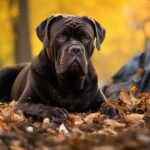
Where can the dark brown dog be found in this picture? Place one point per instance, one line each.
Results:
(61, 77)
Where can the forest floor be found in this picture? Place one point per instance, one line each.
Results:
(131, 131)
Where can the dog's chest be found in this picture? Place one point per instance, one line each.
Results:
(70, 101)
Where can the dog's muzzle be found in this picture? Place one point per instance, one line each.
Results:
(75, 50)
(72, 59)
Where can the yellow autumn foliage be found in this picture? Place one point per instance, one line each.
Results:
(118, 17)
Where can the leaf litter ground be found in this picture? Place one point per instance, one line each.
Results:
(130, 131)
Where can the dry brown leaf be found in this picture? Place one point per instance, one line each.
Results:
(107, 132)
(16, 148)
(124, 97)
(147, 119)
(18, 117)
(104, 148)
(91, 117)
(76, 119)
(76, 130)
(147, 103)
(1, 124)
(133, 90)
(113, 123)
(83, 127)
(133, 118)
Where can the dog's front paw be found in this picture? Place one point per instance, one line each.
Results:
(109, 111)
(56, 113)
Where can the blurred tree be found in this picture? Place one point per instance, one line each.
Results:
(140, 21)
(20, 25)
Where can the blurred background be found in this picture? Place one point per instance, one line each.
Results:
(127, 24)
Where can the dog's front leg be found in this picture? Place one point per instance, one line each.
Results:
(40, 111)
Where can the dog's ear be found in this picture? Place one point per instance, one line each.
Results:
(43, 29)
(99, 31)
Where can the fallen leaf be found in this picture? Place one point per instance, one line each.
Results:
(124, 97)
(107, 131)
(133, 90)
(147, 103)
(104, 148)
(133, 118)
(113, 123)
(76, 119)
(91, 117)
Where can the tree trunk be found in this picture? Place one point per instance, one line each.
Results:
(23, 47)
(20, 26)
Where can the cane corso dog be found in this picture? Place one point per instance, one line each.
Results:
(61, 78)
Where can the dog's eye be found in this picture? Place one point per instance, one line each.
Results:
(85, 39)
(61, 38)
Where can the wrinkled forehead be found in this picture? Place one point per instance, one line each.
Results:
(72, 23)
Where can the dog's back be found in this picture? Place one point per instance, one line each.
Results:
(7, 78)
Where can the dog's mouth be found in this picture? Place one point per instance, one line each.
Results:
(75, 66)
(74, 75)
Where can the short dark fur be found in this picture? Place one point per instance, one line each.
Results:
(61, 77)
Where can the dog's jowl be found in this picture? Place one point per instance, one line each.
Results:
(61, 78)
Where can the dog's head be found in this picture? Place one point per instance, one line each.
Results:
(69, 42)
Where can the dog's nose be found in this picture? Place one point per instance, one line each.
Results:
(75, 50)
